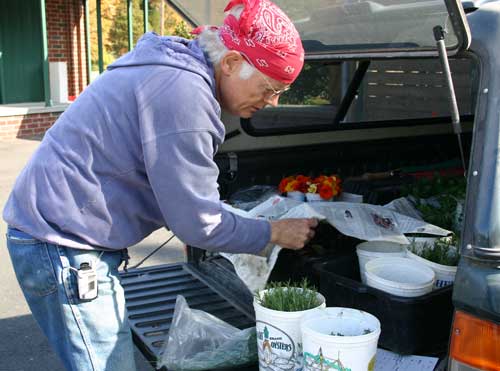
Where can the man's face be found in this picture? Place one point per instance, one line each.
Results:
(244, 97)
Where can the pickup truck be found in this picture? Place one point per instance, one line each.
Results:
(390, 89)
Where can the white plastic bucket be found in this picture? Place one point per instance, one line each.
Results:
(377, 249)
(296, 195)
(400, 276)
(314, 197)
(445, 274)
(279, 340)
(339, 339)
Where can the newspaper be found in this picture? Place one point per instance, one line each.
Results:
(390, 361)
(404, 206)
(363, 221)
(253, 270)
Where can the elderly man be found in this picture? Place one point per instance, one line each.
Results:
(132, 154)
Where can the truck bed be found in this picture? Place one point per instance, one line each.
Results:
(208, 282)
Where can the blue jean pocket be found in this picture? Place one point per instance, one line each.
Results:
(32, 265)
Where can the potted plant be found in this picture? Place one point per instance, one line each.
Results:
(441, 256)
(278, 310)
(294, 186)
(323, 188)
(439, 200)
(339, 339)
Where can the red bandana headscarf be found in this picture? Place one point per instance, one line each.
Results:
(266, 37)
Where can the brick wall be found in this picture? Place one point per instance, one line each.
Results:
(26, 126)
(66, 40)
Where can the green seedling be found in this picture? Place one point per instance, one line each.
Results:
(440, 252)
(289, 297)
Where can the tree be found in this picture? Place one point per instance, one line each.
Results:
(115, 26)
(118, 33)
(173, 23)
(311, 87)
(108, 10)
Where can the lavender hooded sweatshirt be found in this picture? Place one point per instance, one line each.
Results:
(132, 154)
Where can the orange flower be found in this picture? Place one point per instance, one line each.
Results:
(320, 179)
(301, 187)
(326, 186)
(326, 192)
(302, 183)
(303, 178)
(284, 182)
(294, 183)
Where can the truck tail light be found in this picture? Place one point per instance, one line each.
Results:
(475, 342)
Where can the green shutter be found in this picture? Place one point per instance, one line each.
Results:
(21, 62)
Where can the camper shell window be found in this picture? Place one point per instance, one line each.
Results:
(391, 93)
(339, 88)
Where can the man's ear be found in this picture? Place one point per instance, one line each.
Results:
(231, 62)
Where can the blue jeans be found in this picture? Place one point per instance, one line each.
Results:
(87, 335)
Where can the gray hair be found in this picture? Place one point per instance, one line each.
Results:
(212, 45)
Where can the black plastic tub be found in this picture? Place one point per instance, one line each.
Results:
(419, 325)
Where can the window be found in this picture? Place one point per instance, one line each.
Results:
(391, 92)
(353, 26)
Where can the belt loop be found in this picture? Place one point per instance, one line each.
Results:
(61, 250)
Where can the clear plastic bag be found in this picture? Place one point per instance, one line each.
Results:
(247, 198)
(199, 341)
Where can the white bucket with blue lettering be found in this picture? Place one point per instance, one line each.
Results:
(279, 340)
(445, 274)
(339, 339)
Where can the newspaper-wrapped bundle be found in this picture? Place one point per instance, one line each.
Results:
(362, 221)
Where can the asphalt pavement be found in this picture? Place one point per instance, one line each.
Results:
(23, 347)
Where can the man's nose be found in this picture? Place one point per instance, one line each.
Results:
(272, 101)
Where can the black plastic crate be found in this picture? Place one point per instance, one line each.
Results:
(378, 191)
(294, 265)
(419, 325)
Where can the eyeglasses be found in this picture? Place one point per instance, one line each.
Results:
(271, 92)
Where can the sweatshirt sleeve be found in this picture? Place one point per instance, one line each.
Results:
(183, 176)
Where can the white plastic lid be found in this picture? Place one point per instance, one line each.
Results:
(400, 272)
(375, 248)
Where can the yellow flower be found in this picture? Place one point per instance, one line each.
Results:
(313, 188)
(290, 187)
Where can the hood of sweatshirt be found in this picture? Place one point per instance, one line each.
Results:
(174, 51)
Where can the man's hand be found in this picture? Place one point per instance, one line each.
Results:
(292, 233)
